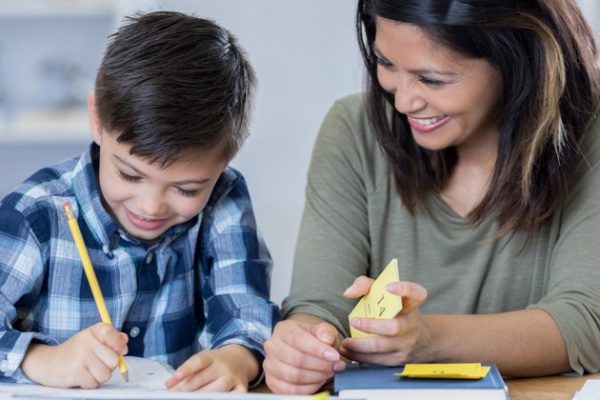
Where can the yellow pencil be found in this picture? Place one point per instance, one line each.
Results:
(91, 276)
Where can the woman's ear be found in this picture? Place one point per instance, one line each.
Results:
(94, 120)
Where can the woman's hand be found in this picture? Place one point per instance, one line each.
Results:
(301, 355)
(399, 340)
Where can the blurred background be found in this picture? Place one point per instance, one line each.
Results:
(304, 54)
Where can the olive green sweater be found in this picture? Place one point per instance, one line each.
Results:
(354, 223)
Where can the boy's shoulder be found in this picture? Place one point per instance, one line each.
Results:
(231, 184)
(47, 184)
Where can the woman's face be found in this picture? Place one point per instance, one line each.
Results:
(448, 99)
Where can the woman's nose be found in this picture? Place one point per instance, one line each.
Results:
(408, 99)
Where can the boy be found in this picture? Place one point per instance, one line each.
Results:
(169, 227)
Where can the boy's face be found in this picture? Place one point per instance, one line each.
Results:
(147, 199)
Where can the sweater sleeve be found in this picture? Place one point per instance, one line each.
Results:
(573, 294)
(333, 245)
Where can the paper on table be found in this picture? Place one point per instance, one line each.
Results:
(146, 382)
(589, 391)
(144, 374)
(80, 394)
(378, 303)
(99, 394)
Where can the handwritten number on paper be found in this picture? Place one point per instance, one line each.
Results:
(381, 309)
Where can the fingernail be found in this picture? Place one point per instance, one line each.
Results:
(326, 337)
(331, 355)
(176, 375)
(339, 366)
(348, 289)
(392, 287)
(356, 322)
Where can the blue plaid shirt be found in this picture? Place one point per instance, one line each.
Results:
(203, 284)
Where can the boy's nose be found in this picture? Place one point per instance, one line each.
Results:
(150, 206)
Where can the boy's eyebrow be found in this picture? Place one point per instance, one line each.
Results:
(137, 171)
(197, 181)
(417, 71)
(183, 182)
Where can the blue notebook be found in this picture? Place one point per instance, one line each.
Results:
(375, 382)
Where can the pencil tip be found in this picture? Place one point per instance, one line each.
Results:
(125, 375)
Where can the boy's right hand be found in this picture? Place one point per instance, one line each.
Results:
(301, 355)
(85, 360)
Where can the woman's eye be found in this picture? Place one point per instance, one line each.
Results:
(430, 82)
(129, 178)
(383, 62)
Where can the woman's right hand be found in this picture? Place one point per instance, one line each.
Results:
(403, 339)
(301, 355)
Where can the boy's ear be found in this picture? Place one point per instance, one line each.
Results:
(94, 120)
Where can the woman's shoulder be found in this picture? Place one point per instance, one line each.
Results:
(584, 197)
(589, 147)
(347, 144)
(346, 125)
(352, 104)
(347, 112)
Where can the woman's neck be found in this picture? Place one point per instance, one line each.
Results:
(471, 176)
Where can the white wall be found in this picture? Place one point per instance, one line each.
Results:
(591, 10)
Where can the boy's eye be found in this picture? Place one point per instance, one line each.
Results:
(430, 82)
(129, 178)
(187, 193)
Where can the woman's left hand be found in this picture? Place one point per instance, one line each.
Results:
(405, 338)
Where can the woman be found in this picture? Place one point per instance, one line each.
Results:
(473, 158)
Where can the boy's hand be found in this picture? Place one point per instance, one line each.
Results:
(302, 355)
(226, 369)
(85, 360)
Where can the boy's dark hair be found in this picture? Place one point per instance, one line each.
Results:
(174, 85)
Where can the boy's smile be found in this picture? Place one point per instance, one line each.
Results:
(145, 223)
(148, 199)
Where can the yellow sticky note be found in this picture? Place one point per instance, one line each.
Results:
(378, 303)
(445, 371)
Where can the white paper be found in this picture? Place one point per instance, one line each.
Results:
(160, 395)
(146, 381)
(143, 374)
(589, 391)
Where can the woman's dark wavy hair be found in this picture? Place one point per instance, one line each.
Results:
(546, 56)
(173, 86)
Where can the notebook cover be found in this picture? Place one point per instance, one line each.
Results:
(377, 377)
